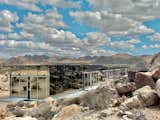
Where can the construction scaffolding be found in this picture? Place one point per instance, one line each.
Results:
(44, 80)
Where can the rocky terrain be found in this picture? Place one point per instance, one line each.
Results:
(133, 97)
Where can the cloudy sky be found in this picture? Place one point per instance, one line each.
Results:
(79, 27)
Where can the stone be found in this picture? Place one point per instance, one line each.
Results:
(158, 87)
(131, 75)
(49, 100)
(125, 88)
(146, 95)
(143, 79)
(100, 98)
(18, 112)
(68, 112)
(156, 74)
(133, 114)
(2, 114)
(42, 110)
(133, 102)
(108, 112)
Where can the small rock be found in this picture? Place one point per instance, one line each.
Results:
(68, 112)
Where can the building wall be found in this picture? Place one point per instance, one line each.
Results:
(34, 79)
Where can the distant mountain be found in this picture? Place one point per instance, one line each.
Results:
(136, 62)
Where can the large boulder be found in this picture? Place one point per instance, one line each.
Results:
(100, 98)
(68, 112)
(125, 88)
(142, 97)
(146, 95)
(143, 79)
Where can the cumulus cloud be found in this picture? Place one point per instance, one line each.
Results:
(113, 24)
(7, 18)
(23, 4)
(155, 37)
(63, 3)
(136, 9)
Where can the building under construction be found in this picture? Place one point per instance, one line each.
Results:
(40, 81)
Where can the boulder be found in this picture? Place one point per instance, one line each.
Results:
(133, 102)
(156, 74)
(143, 79)
(125, 88)
(131, 75)
(100, 98)
(158, 87)
(146, 95)
(68, 112)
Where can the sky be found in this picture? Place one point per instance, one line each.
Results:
(79, 27)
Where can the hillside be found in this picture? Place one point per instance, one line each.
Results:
(138, 62)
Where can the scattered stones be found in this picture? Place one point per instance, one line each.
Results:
(133, 114)
(143, 79)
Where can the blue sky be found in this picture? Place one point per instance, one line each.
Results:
(79, 27)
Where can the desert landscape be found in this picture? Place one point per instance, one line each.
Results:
(79, 60)
(134, 96)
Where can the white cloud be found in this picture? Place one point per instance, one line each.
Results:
(96, 39)
(155, 37)
(63, 3)
(23, 4)
(113, 24)
(136, 9)
(6, 20)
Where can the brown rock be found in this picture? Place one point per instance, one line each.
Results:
(143, 79)
(68, 112)
(131, 75)
(125, 88)
(156, 74)
(2, 114)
